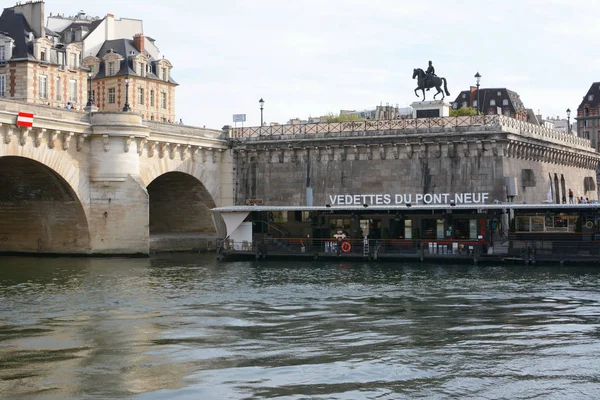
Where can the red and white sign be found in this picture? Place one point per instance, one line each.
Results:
(25, 119)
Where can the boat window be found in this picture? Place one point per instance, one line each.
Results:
(279, 217)
(461, 229)
(408, 229)
(548, 222)
(472, 229)
(440, 228)
(339, 223)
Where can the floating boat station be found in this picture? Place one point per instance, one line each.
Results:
(508, 232)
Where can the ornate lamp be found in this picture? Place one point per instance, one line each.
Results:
(478, 78)
(126, 107)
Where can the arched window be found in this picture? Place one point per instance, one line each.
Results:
(492, 102)
(505, 102)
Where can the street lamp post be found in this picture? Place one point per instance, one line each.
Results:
(262, 103)
(568, 120)
(478, 77)
(126, 107)
(90, 101)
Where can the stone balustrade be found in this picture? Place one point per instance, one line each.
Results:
(45, 113)
(475, 123)
(183, 130)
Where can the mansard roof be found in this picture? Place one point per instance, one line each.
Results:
(16, 26)
(90, 25)
(593, 91)
(126, 49)
(486, 95)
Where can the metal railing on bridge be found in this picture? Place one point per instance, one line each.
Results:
(410, 124)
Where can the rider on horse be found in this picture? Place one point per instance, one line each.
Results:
(430, 73)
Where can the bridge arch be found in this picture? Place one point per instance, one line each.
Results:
(179, 202)
(41, 211)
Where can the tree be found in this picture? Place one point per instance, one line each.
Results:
(343, 117)
(463, 112)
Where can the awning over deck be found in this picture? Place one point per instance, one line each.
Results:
(232, 220)
(404, 207)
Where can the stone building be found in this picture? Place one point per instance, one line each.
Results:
(493, 101)
(588, 116)
(151, 88)
(46, 63)
(35, 66)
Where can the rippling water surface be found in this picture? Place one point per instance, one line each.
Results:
(189, 327)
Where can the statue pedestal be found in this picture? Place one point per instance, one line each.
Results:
(430, 109)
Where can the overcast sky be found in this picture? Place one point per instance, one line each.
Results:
(309, 58)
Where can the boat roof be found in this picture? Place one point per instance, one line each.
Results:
(411, 207)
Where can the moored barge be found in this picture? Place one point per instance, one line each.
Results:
(526, 233)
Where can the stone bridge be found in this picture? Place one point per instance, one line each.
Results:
(105, 182)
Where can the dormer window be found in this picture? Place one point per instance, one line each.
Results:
(111, 68)
(165, 74)
(464, 96)
(499, 94)
(505, 102)
(141, 69)
(591, 97)
(43, 55)
(492, 102)
(3, 52)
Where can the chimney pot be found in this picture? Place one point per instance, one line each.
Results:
(138, 42)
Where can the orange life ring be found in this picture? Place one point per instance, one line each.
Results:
(346, 247)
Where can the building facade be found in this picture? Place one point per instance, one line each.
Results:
(45, 64)
(34, 65)
(151, 91)
(491, 101)
(588, 116)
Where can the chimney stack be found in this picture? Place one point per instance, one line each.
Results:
(138, 42)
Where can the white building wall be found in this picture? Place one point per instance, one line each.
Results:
(94, 41)
(126, 28)
(58, 24)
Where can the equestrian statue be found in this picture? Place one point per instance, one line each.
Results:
(427, 80)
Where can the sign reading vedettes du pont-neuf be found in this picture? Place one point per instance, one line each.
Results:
(386, 199)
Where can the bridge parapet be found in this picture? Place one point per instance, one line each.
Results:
(176, 130)
(408, 126)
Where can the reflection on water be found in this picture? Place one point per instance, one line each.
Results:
(188, 327)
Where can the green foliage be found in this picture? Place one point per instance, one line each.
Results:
(463, 112)
(343, 117)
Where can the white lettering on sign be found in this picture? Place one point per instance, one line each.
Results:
(385, 199)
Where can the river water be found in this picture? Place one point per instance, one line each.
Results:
(189, 327)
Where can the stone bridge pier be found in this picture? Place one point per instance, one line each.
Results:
(107, 183)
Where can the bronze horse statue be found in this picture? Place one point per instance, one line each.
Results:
(428, 81)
